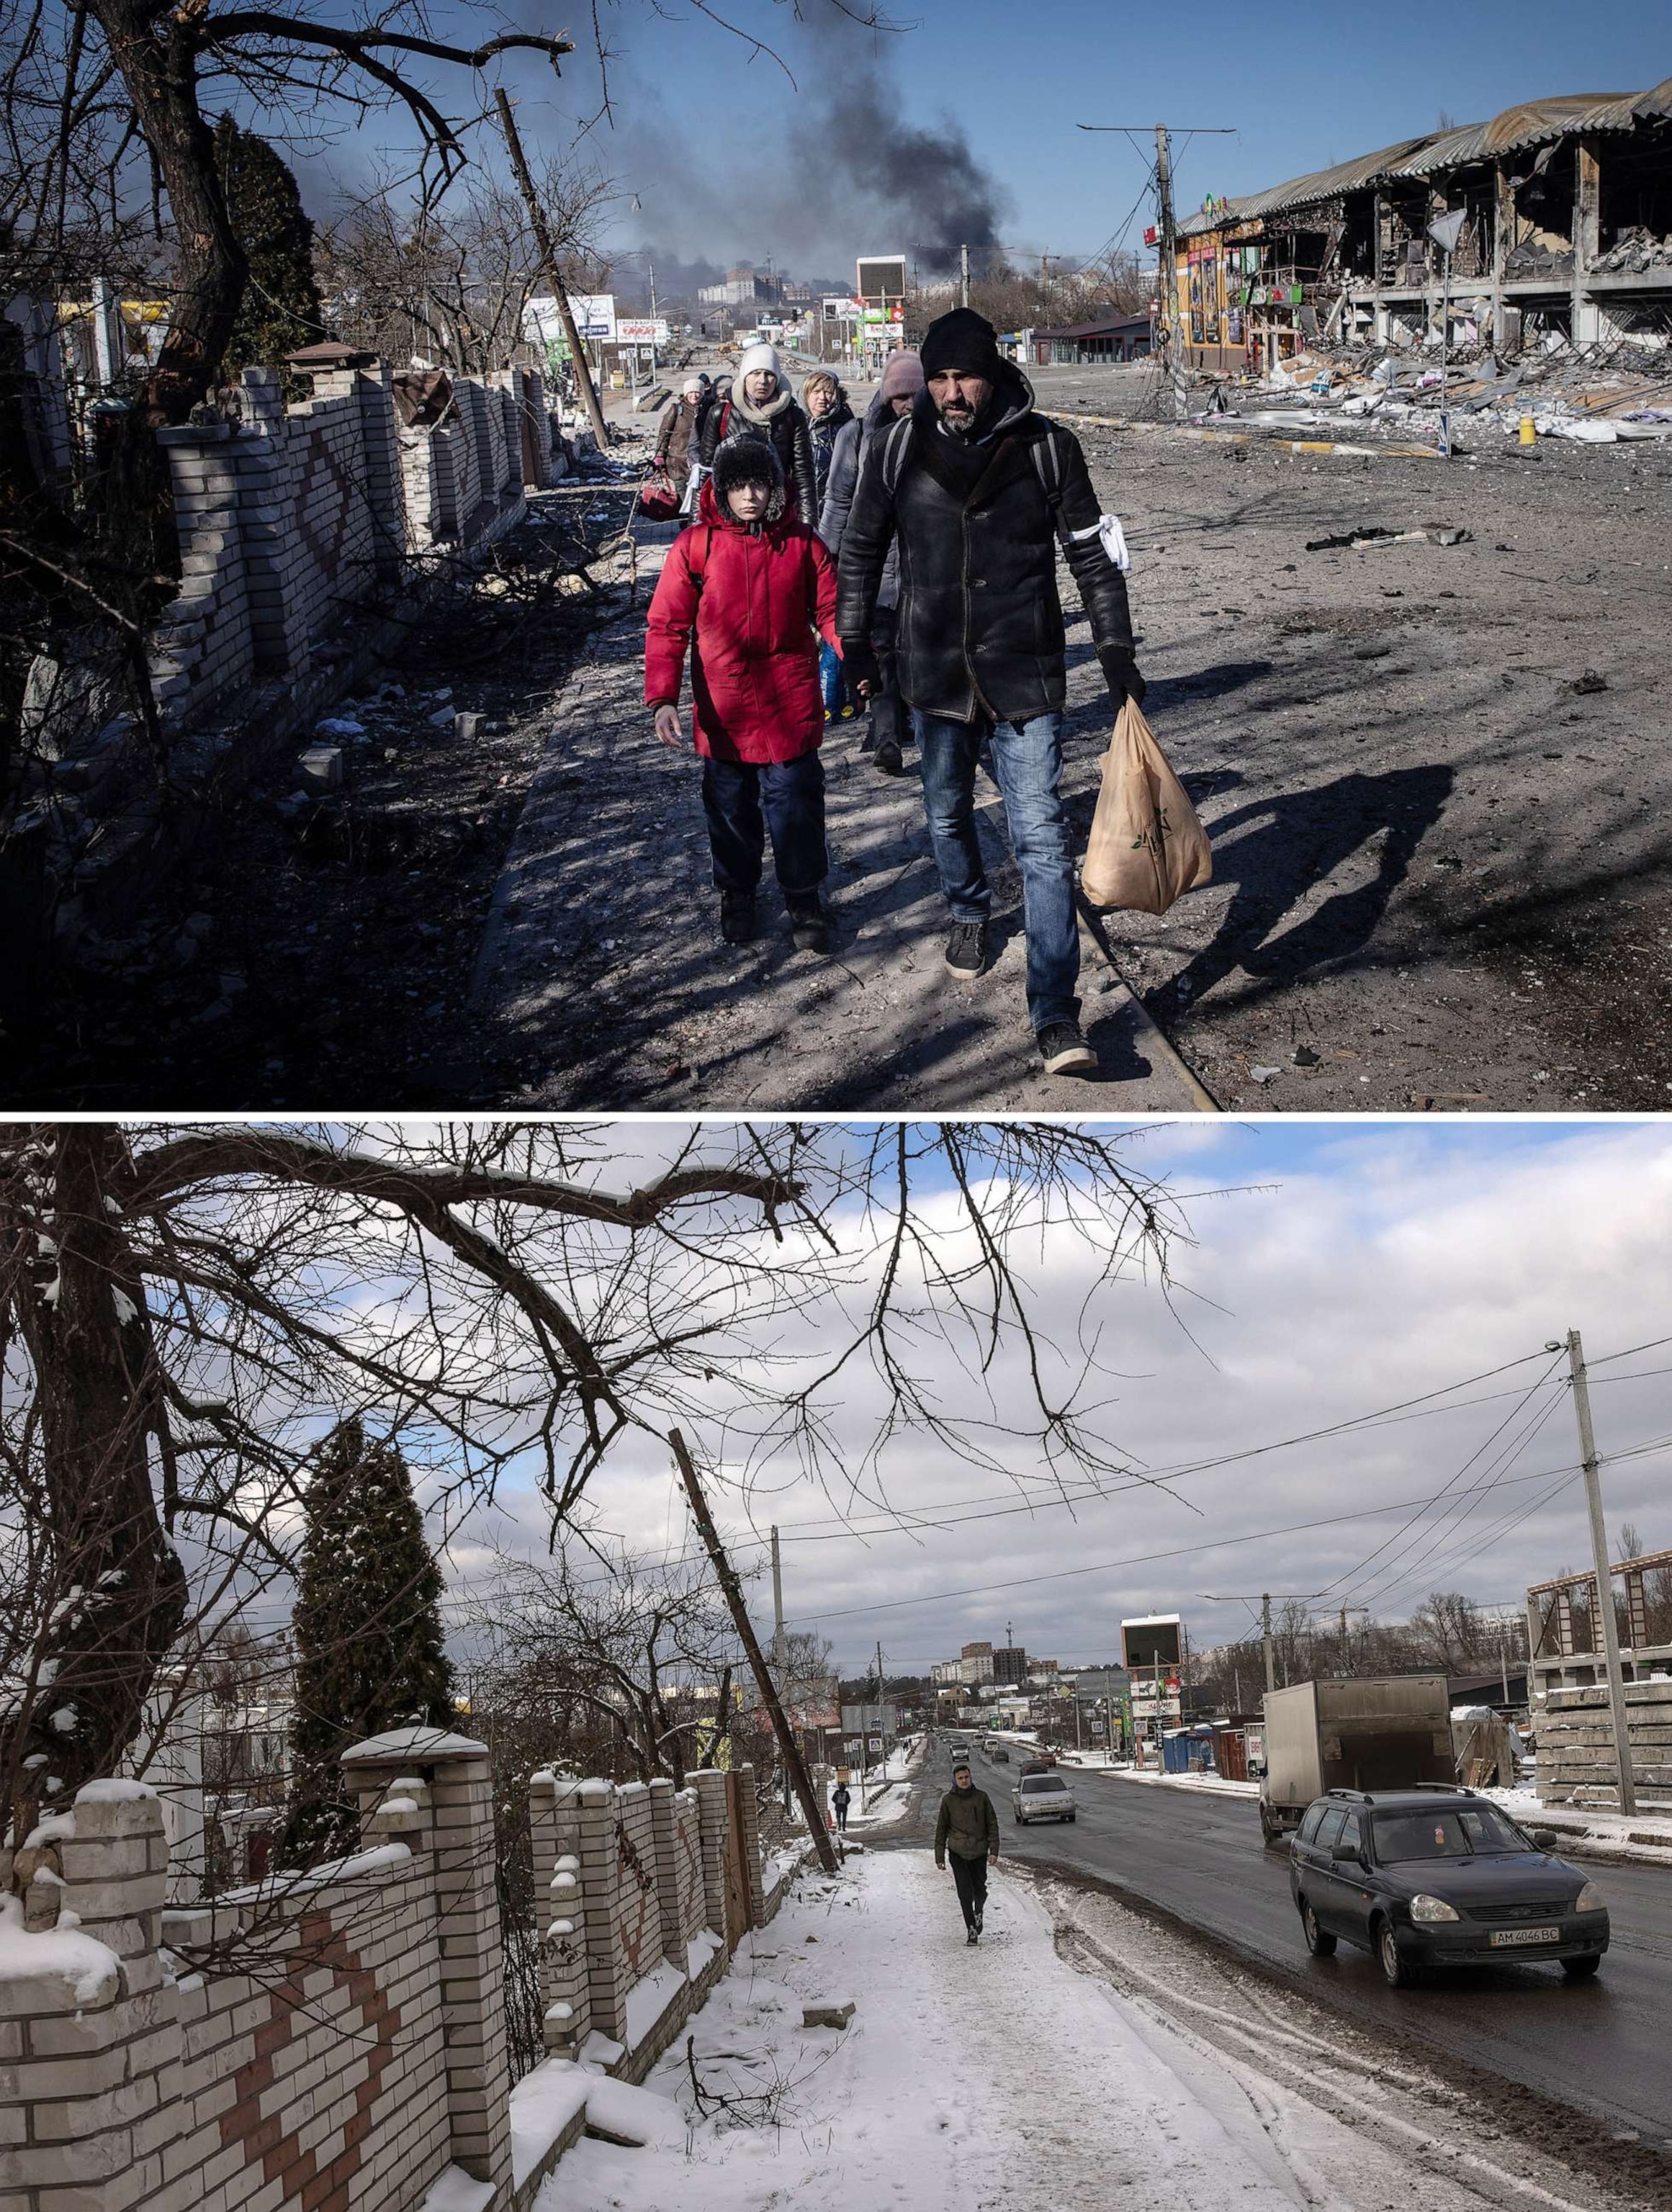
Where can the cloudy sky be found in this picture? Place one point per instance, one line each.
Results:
(1337, 1271)
(864, 143)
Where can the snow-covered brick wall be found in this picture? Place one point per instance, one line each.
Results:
(327, 2038)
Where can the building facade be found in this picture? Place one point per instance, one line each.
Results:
(1567, 230)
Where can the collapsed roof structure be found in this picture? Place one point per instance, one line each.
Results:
(1566, 207)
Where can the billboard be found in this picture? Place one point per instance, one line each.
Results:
(882, 277)
(1156, 1640)
(594, 316)
(641, 329)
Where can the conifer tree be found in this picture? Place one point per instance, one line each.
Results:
(280, 309)
(370, 1653)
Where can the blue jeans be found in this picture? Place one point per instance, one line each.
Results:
(1027, 759)
(791, 793)
(829, 678)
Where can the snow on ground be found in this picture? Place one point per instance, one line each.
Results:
(963, 2085)
(887, 1791)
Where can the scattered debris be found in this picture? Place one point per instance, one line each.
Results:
(321, 767)
(1592, 680)
(827, 2015)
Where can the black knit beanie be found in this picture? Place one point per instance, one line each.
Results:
(963, 340)
(746, 460)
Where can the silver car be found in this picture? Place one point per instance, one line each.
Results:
(1041, 1797)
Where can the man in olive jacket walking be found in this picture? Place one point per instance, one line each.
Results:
(969, 1829)
(978, 490)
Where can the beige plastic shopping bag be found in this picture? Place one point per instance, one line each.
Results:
(1146, 845)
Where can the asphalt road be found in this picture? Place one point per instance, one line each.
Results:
(1599, 2045)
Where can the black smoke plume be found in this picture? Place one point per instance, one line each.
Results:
(926, 188)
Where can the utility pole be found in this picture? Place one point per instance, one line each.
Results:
(732, 1593)
(882, 1728)
(583, 372)
(1167, 328)
(963, 275)
(777, 1610)
(1266, 1632)
(1599, 1554)
(1171, 353)
(778, 1638)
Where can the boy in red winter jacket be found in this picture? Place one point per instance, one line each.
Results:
(752, 584)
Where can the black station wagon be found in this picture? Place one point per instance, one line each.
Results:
(1438, 1876)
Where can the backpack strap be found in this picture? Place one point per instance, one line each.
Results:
(897, 451)
(697, 569)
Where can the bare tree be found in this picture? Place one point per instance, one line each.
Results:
(629, 1643)
(449, 281)
(184, 1309)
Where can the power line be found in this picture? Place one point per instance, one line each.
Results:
(1145, 1559)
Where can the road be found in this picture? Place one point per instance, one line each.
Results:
(1599, 2044)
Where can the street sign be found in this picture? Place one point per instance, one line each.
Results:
(876, 1743)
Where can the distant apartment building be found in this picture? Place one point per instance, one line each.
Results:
(1010, 1665)
(746, 287)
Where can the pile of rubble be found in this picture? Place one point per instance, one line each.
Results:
(1596, 397)
(1637, 250)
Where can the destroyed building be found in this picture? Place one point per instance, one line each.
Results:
(1566, 233)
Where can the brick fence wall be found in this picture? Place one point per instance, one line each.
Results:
(336, 2039)
(295, 517)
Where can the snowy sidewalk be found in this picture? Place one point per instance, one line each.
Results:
(969, 2080)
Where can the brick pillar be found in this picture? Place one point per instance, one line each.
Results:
(751, 1845)
(662, 1811)
(265, 494)
(92, 2047)
(599, 1856)
(554, 1821)
(709, 1783)
(457, 1828)
(202, 642)
(375, 389)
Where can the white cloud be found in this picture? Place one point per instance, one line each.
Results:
(1386, 1262)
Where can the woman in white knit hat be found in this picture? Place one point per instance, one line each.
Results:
(761, 404)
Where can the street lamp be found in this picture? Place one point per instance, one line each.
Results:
(1445, 230)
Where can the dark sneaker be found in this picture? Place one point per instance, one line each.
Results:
(970, 1937)
(979, 1918)
(737, 916)
(966, 948)
(888, 757)
(809, 928)
(1065, 1051)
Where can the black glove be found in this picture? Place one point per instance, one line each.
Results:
(1120, 673)
(859, 663)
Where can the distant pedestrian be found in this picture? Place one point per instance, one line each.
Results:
(676, 439)
(968, 1831)
(976, 490)
(745, 588)
(828, 414)
(760, 405)
(903, 380)
(840, 1798)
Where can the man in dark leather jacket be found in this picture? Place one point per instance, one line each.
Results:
(978, 490)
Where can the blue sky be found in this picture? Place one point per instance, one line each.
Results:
(1018, 80)
(730, 161)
